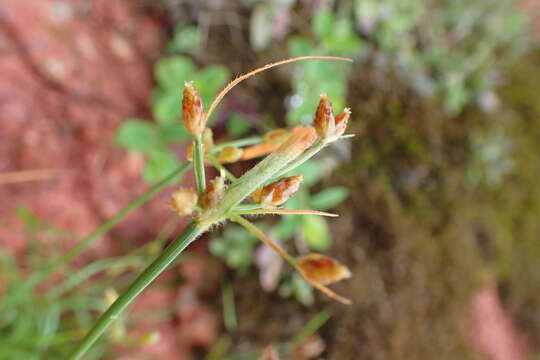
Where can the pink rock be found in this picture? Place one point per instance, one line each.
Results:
(492, 331)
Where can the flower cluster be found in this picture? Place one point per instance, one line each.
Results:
(287, 149)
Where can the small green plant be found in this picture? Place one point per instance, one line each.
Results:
(44, 324)
(219, 201)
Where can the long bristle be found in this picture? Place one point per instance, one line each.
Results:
(242, 77)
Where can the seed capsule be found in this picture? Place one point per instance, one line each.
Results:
(214, 193)
(193, 110)
(277, 192)
(322, 269)
(183, 201)
(328, 126)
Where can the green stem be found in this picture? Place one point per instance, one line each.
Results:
(198, 165)
(265, 239)
(188, 235)
(52, 266)
(220, 167)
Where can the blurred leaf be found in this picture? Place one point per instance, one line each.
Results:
(260, 31)
(316, 232)
(210, 81)
(329, 198)
(138, 135)
(296, 286)
(174, 133)
(235, 246)
(185, 39)
(300, 46)
(286, 228)
(172, 72)
(323, 23)
(238, 125)
(167, 106)
(310, 171)
(159, 163)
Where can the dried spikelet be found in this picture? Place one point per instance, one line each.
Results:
(322, 269)
(328, 126)
(278, 192)
(324, 116)
(193, 110)
(214, 193)
(183, 201)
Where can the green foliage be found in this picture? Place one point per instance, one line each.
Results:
(316, 233)
(153, 139)
(185, 39)
(238, 125)
(295, 286)
(329, 198)
(334, 36)
(235, 246)
(449, 49)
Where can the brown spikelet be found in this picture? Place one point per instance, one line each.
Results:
(214, 193)
(193, 110)
(183, 201)
(341, 122)
(320, 270)
(324, 116)
(278, 192)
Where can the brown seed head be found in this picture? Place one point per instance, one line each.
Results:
(341, 122)
(214, 193)
(328, 127)
(322, 269)
(277, 192)
(183, 201)
(193, 110)
(324, 116)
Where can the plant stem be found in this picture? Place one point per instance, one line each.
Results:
(198, 165)
(51, 267)
(188, 235)
(220, 167)
(265, 239)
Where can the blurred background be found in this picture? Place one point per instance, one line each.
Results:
(437, 193)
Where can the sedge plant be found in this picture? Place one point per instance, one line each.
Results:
(260, 191)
